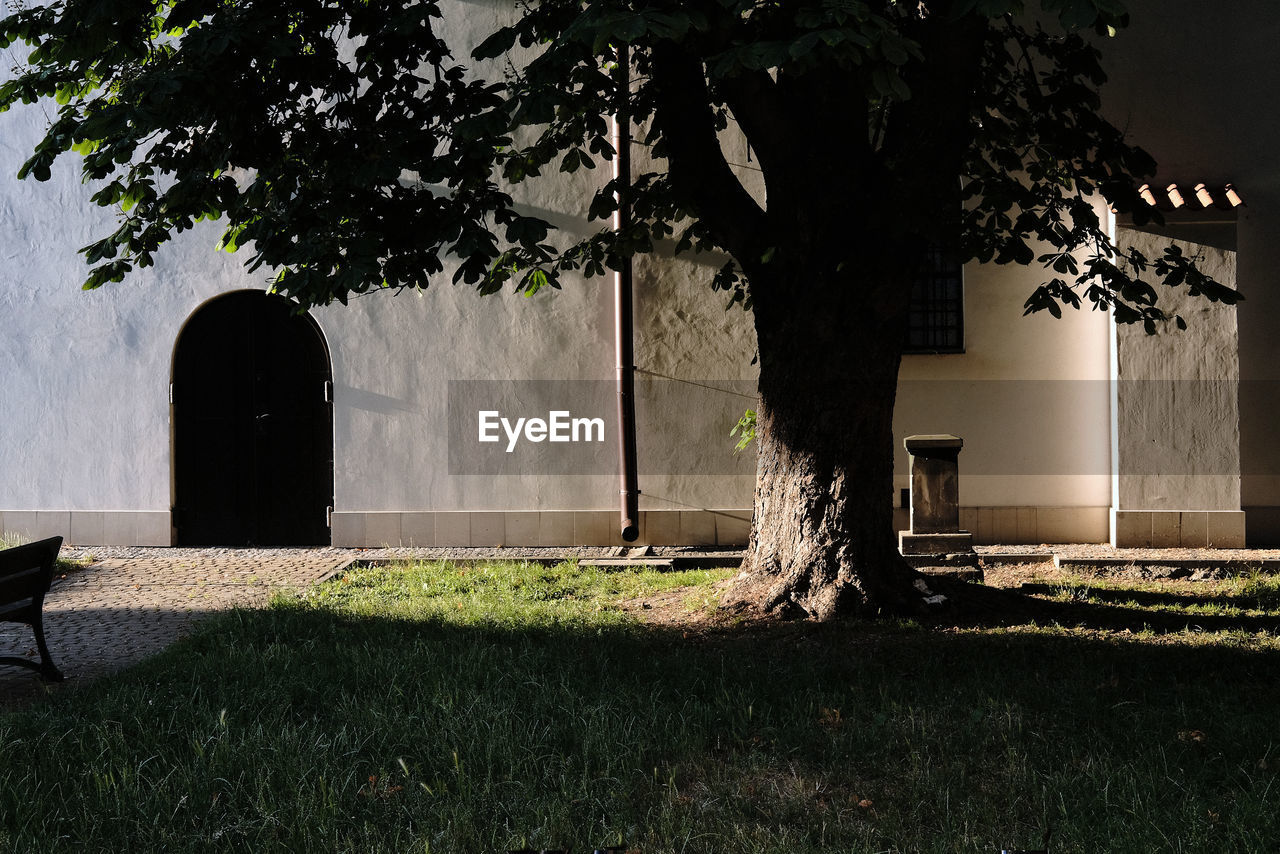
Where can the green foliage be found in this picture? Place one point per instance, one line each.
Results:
(745, 430)
(348, 149)
(1042, 95)
(339, 140)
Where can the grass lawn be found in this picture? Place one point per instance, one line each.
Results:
(439, 708)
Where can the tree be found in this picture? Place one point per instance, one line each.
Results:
(347, 148)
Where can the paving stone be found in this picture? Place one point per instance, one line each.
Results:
(131, 602)
(121, 610)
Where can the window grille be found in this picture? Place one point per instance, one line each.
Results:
(935, 321)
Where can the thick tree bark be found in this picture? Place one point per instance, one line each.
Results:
(828, 260)
(822, 543)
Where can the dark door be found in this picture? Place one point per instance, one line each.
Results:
(252, 425)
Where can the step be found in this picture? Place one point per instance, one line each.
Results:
(961, 559)
(1235, 564)
(960, 573)
(616, 562)
(990, 558)
(934, 544)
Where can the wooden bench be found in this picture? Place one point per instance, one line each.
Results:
(25, 575)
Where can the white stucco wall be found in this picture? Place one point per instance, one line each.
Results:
(1028, 396)
(84, 377)
(1196, 86)
(1179, 422)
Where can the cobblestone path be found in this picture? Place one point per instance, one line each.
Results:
(118, 611)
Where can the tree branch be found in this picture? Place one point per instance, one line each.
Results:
(683, 116)
(763, 115)
(932, 129)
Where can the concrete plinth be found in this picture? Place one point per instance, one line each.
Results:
(961, 565)
(911, 543)
(935, 545)
(958, 572)
(935, 483)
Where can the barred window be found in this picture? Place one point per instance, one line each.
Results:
(935, 321)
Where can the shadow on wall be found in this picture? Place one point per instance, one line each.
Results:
(371, 401)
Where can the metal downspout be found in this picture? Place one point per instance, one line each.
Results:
(622, 327)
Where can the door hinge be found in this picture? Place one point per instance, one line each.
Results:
(170, 393)
(328, 391)
(328, 516)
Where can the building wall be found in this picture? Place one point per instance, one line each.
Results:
(1177, 479)
(1259, 318)
(85, 443)
(85, 450)
(1029, 396)
(1193, 83)
(84, 447)
(1179, 422)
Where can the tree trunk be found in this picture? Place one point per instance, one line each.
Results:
(822, 543)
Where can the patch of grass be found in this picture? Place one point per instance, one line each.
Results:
(9, 540)
(475, 709)
(1262, 591)
(1253, 595)
(511, 595)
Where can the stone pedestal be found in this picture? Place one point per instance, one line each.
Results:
(935, 483)
(935, 544)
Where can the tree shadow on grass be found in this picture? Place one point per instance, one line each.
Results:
(978, 606)
(1268, 600)
(304, 728)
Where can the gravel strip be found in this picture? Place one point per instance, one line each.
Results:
(1099, 551)
(94, 553)
(1102, 551)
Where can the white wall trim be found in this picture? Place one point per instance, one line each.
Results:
(728, 527)
(91, 527)
(1222, 529)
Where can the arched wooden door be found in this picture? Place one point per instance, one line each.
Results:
(252, 425)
